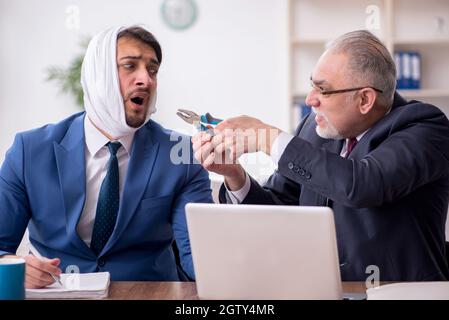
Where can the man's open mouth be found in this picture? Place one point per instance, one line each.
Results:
(137, 100)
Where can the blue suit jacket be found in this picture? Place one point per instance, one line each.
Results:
(42, 182)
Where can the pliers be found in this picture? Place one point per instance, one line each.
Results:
(204, 122)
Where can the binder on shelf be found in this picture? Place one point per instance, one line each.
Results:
(305, 110)
(416, 70)
(408, 69)
(397, 61)
(302, 109)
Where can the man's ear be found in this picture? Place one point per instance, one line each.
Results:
(367, 100)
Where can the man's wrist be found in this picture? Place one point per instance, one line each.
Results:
(238, 196)
(237, 181)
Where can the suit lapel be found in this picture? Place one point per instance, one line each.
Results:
(334, 146)
(70, 161)
(141, 164)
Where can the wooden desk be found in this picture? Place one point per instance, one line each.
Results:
(179, 290)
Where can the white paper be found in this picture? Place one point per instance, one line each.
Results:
(75, 286)
(410, 291)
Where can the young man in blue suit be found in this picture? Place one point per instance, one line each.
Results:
(99, 191)
(380, 162)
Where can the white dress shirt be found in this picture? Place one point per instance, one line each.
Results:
(97, 156)
(277, 149)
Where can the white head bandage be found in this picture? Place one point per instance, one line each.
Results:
(99, 79)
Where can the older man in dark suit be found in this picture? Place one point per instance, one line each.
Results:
(380, 162)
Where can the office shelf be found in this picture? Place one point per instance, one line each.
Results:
(424, 93)
(414, 25)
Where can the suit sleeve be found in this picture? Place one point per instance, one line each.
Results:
(196, 189)
(413, 155)
(277, 190)
(14, 205)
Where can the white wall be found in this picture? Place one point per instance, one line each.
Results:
(232, 61)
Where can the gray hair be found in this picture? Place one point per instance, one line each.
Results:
(370, 62)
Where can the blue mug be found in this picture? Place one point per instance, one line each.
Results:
(12, 279)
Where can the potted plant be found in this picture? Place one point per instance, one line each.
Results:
(69, 78)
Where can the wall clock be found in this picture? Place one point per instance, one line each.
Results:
(179, 14)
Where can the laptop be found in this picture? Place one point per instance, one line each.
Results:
(264, 252)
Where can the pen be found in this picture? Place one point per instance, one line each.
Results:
(36, 253)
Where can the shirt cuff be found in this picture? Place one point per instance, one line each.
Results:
(239, 195)
(279, 145)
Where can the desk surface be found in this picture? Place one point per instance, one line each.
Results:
(179, 290)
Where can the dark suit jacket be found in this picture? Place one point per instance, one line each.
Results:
(390, 197)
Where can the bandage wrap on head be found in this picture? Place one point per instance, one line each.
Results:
(99, 79)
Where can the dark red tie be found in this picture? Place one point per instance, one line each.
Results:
(351, 144)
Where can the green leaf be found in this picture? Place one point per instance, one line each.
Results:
(69, 79)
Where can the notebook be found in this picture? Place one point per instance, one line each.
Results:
(75, 286)
(410, 291)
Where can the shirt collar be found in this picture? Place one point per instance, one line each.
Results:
(95, 140)
(344, 149)
(360, 136)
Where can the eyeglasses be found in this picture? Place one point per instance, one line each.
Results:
(329, 92)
